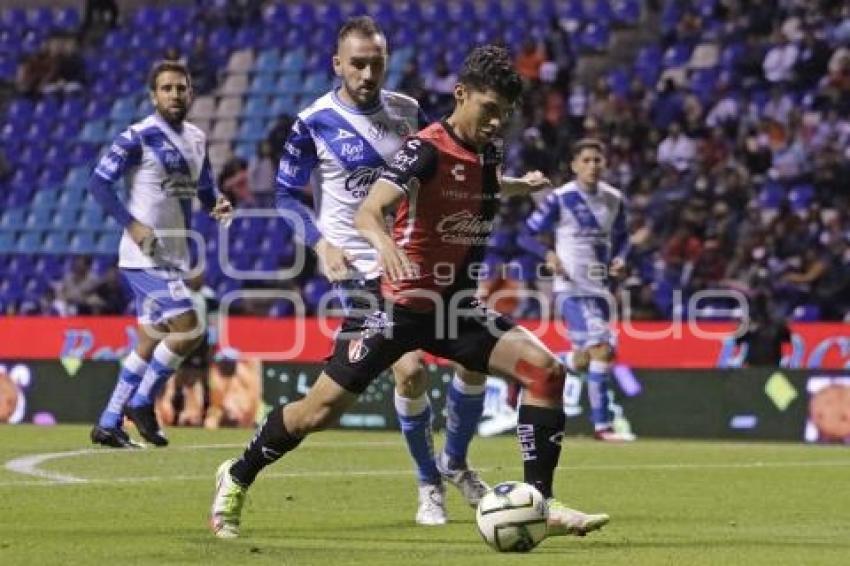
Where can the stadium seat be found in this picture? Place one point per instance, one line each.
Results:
(229, 107)
(256, 107)
(202, 108)
(293, 61)
(626, 12)
(223, 131)
(268, 61)
(123, 109)
(81, 242)
(595, 37)
(252, 130)
(676, 55)
(599, 11)
(29, 241)
(78, 178)
(219, 152)
(93, 132)
(235, 85)
(56, 242)
(262, 84)
(12, 219)
(241, 61)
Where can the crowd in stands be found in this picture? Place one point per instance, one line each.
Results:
(729, 133)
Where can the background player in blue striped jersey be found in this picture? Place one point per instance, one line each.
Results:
(165, 161)
(343, 141)
(588, 218)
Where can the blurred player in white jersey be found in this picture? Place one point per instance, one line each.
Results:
(343, 140)
(588, 218)
(165, 161)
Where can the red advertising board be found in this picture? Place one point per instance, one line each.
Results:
(640, 344)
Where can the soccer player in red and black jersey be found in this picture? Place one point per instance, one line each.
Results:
(444, 185)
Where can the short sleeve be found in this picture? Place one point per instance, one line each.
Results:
(412, 165)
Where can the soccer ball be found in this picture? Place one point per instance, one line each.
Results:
(512, 517)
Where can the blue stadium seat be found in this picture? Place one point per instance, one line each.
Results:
(262, 85)
(627, 12)
(81, 242)
(39, 218)
(316, 84)
(7, 241)
(677, 55)
(771, 195)
(107, 243)
(12, 219)
(806, 313)
(572, 10)
(67, 19)
(14, 18)
(78, 178)
(245, 150)
(45, 198)
(56, 242)
(123, 109)
(91, 218)
(146, 19)
(268, 61)
(287, 85)
(93, 132)
(595, 37)
(599, 11)
(801, 196)
(256, 107)
(252, 130)
(284, 104)
(66, 217)
(29, 241)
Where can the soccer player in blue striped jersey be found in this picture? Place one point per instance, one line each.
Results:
(343, 141)
(588, 218)
(164, 159)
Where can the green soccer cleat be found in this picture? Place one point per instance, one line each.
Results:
(565, 521)
(227, 503)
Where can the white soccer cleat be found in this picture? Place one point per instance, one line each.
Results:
(468, 481)
(227, 503)
(565, 521)
(432, 505)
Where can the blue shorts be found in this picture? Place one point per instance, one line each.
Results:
(160, 294)
(588, 319)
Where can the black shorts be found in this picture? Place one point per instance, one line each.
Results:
(199, 358)
(368, 345)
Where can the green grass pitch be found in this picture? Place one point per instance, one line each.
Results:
(349, 498)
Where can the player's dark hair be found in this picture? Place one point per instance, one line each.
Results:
(490, 67)
(164, 67)
(588, 143)
(362, 25)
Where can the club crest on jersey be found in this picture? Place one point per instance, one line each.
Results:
(357, 350)
(378, 130)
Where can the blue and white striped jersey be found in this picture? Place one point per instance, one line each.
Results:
(344, 150)
(590, 229)
(165, 170)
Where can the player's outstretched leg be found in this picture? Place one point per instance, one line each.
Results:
(464, 406)
(413, 408)
(540, 430)
(283, 430)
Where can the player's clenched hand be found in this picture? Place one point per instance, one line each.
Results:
(535, 181)
(335, 262)
(397, 266)
(144, 237)
(553, 262)
(222, 211)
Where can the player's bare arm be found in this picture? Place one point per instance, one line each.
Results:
(369, 221)
(530, 182)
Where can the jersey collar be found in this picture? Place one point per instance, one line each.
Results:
(457, 140)
(379, 104)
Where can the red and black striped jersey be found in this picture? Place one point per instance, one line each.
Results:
(443, 224)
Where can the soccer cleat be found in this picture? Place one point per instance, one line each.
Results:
(565, 521)
(145, 420)
(112, 437)
(227, 503)
(432, 505)
(468, 481)
(609, 434)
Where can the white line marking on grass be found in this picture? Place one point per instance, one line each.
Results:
(28, 465)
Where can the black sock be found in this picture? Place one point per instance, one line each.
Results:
(540, 431)
(269, 444)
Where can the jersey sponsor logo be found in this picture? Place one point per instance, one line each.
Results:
(459, 172)
(179, 185)
(359, 182)
(464, 227)
(407, 156)
(289, 169)
(343, 134)
(352, 151)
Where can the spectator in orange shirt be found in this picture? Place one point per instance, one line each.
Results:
(529, 60)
